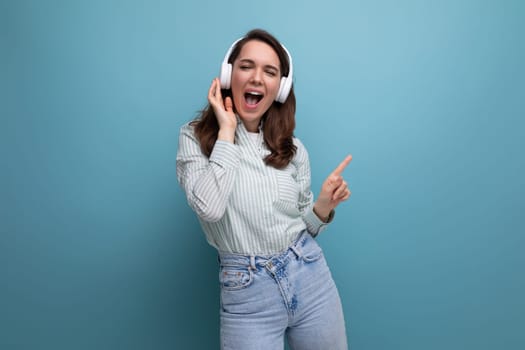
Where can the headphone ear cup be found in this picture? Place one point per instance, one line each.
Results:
(226, 75)
(284, 89)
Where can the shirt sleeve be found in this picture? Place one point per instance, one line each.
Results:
(314, 225)
(207, 182)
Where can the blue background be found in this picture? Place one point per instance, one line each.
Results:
(98, 248)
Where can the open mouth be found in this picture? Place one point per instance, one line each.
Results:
(252, 98)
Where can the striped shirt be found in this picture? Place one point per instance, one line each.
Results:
(243, 205)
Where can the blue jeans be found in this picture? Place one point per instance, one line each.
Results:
(264, 298)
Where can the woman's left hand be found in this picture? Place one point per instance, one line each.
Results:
(333, 191)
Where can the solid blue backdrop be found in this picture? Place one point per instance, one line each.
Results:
(98, 248)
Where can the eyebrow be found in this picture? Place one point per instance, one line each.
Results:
(247, 60)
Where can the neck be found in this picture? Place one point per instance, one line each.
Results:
(252, 127)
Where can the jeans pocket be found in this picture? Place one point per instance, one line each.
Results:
(313, 256)
(235, 277)
(311, 250)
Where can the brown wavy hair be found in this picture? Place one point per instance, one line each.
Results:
(278, 121)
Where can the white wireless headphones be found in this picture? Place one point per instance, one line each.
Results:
(286, 82)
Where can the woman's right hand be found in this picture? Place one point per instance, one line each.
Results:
(223, 111)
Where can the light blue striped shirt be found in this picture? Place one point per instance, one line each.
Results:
(243, 205)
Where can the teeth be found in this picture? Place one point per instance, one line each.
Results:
(254, 93)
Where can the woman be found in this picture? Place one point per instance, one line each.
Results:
(248, 179)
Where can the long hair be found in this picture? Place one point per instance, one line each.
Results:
(278, 121)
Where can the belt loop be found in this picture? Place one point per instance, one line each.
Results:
(252, 262)
(296, 251)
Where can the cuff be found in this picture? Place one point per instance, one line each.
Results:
(314, 224)
(225, 154)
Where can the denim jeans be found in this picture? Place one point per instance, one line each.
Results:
(265, 298)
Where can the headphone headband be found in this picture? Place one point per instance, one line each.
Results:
(286, 81)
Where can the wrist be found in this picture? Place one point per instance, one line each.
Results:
(226, 134)
(324, 214)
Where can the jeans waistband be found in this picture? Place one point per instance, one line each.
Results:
(271, 261)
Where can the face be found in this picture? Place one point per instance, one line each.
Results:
(256, 77)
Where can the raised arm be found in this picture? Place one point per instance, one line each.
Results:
(208, 182)
(333, 191)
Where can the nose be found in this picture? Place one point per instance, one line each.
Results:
(257, 75)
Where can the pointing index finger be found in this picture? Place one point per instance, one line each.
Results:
(342, 166)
